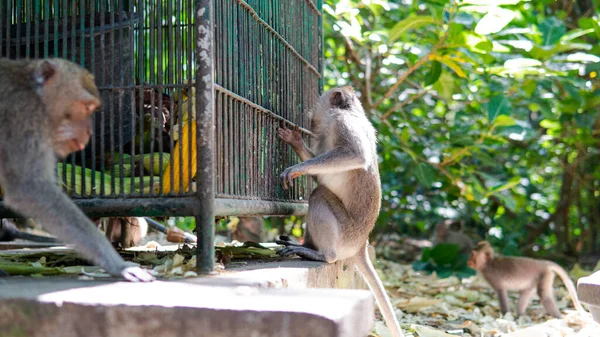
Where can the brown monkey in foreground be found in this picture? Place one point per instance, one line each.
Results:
(45, 114)
(450, 231)
(521, 274)
(343, 208)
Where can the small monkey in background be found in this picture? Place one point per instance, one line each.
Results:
(46, 108)
(125, 232)
(343, 208)
(521, 274)
(450, 231)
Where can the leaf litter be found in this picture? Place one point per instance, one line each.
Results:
(428, 306)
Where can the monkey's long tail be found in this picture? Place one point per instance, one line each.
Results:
(570, 286)
(10, 232)
(364, 265)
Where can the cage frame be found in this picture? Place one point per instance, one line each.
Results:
(203, 205)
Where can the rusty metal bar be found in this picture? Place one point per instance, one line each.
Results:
(225, 207)
(261, 109)
(278, 36)
(104, 207)
(205, 213)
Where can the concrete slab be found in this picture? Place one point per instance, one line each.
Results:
(239, 301)
(588, 292)
(295, 274)
(72, 308)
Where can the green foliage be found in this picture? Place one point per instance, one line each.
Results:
(486, 111)
(445, 260)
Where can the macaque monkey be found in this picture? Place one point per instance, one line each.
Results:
(521, 274)
(343, 208)
(125, 232)
(249, 228)
(450, 231)
(45, 114)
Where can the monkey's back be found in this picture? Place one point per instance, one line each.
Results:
(516, 272)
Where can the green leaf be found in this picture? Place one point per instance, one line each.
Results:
(508, 201)
(549, 124)
(552, 31)
(445, 253)
(492, 2)
(445, 85)
(589, 23)
(497, 106)
(504, 120)
(419, 266)
(494, 21)
(454, 66)
(425, 173)
(426, 254)
(575, 33)
(506, 186)
(433, 74)
(412, 22)
(465, 273)
(443, 272)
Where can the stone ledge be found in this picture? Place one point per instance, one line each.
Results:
(588, 292)
(72, 308)
(297, 274)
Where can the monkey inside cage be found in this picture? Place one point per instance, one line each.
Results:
(192, 91)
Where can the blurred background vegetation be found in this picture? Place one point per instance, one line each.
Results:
(487, 113)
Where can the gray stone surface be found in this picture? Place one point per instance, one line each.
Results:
(240, 301)
(295, 274)
(588, 292)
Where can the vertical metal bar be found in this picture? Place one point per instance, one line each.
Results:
(2, 19)
(121, 92)
(204, 135)
(321, 44)
(27, 21)
(18, 28)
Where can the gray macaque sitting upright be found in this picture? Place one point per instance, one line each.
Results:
(344, 206)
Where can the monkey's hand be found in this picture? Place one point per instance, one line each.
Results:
(289, 174)
(292, 137)
(132, 273)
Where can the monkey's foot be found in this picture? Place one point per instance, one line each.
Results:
(303, 252)
(285, 240)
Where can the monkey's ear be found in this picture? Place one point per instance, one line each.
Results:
(488, 256)
(44, 72)
(340, 99)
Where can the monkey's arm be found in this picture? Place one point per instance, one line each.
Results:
(339, 159)
(304, 152)
(47, 204)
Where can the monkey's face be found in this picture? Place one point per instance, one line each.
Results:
(339, 98)
(71, 136)
(75, 125)
(477, 260)
(71, 97)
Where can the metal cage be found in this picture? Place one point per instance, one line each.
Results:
(193, 92)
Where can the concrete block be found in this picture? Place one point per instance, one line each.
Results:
(64, 307)
(588, 292)
(296, 274)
